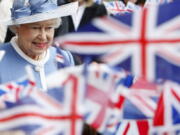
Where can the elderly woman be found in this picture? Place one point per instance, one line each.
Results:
(34, 23)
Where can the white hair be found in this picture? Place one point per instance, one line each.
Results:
(58, 22)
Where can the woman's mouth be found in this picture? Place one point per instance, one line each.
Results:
(40, 45)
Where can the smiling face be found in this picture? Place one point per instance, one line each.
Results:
(35, 38)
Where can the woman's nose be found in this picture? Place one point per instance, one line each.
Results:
(43, 34)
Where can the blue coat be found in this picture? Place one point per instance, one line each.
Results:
(13, 63)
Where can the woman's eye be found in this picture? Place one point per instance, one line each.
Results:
(49, 28)
(35, 28)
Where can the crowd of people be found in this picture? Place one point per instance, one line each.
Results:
(27, 34)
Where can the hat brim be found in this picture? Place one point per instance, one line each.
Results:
(61, 11)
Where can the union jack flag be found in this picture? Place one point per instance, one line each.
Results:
(115, 7)
(118, 7)
(54, 112)
(132, 127)
(13, 91)
(98, 82)
(70, 86)
(31, 116)
(145, 43)
(167, 116)
(62, 58)
(101, 100)
(59, 58)
(100, 86)
(140, 102)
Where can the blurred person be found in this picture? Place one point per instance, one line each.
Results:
(87, 11)
(5, 6)
(34, 23)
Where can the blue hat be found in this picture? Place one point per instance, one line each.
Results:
(29, 11)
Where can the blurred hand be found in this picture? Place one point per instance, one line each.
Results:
(133, 1)
(12, 133)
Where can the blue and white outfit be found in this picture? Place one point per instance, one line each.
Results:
(13, 63)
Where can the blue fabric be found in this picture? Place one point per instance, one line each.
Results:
(67, 57)
(12, 65)
(22, 8)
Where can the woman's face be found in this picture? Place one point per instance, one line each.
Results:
(35, 38)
